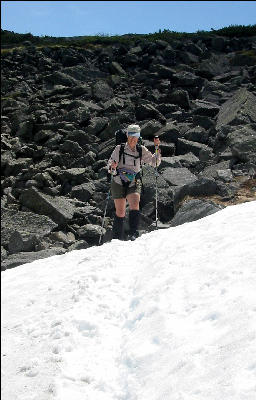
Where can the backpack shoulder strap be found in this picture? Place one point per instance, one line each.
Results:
(121, 152)
(139, 149)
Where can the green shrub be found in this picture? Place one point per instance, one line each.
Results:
(10, 38)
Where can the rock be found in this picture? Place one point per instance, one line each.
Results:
(60, 78)
(219, 43)
(186, 146)
(101, 91)
(150, 129)
(211, 171)
(242, 142)
(97, 125)
(66, 238)
(178, 176)
(14, 167)
(22, 241)
(115, 68)
(72, 148)
(27, 257)
(91, 233)
(79, 245)
(24, 221)
(193, 210)
(3, 253)
(244, 59)
(201, 187)
(205, 108)
(239, 109)
(180, 97)
(80, 115)
(59, 209)
(147, 111)
(83, 192)
(75, 176)
(197, 134)
(169, 133)
(188, 160)
(186, 79)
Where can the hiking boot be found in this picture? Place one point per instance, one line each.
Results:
(117, 230)
(134, 217)
(134, 236)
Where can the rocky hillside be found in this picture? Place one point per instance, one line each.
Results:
(61, 106)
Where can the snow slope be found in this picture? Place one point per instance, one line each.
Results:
(171, 316)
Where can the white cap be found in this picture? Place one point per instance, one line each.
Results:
(133, 130)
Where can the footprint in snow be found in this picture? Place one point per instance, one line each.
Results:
(86, 328)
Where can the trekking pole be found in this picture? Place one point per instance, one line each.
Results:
(156, 175)
(106, 206)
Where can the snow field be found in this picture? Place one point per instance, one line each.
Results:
(171, 316)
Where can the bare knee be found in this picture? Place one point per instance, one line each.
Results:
(134, 201)
(120, 207)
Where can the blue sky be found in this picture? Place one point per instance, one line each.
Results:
(78, 18)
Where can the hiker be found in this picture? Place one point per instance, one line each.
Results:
(126, 182)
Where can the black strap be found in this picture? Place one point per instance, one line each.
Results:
(122, 153)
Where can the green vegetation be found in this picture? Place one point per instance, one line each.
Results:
(236, 31)
(12, 39)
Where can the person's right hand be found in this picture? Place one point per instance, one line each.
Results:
(114, 165)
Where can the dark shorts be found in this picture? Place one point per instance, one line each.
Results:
(120, 192)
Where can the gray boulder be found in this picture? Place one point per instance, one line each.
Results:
(205, 108)
(24, 221)
(27, 257)
(96, 126)
(83, 192)
(180, 97)
(59, 209)
(150, 128)
(147, 111)
(90, 233)
(101, 91)
(239, 109)
(115, 68)
(212, 170)
(197, 134)
(60, 78)
(201, 187)
(193, 210)
(22, 241)
(178, 176)
(242, 142)
(75, 176)
(186, 146)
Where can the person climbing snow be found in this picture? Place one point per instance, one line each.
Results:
(125, 166)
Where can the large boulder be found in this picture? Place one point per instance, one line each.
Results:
(178, 176)
(101, 91)
(179, 97)
(193, 210)
(186, 146)
(239, 109)
(205, 108)
(24, 221)
(27, 257)
(59, 209)
(201, 187)
(242, 142)
(83, 192)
